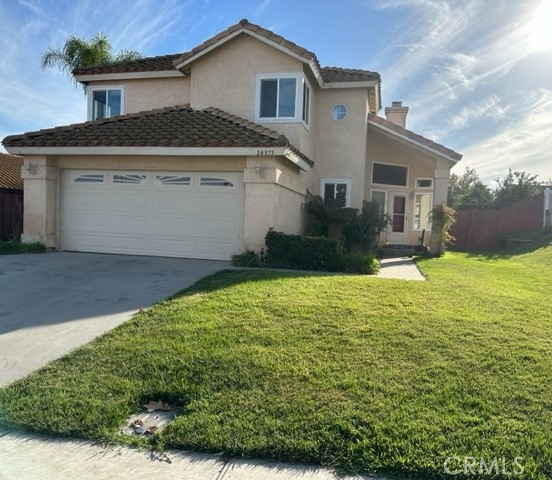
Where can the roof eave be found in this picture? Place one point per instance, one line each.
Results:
(359, 84)
(129, 75)
(284, 151)
(143, 150)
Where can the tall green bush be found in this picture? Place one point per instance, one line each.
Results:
(442, 220)
(326, 214)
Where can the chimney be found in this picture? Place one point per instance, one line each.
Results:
(396, 113)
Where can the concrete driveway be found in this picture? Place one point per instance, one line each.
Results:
(54, 302)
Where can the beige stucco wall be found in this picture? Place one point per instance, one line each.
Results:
(226, 78)
(274, 198)
(151, 162)
(150, 93)
(40, 182)
(340, 146)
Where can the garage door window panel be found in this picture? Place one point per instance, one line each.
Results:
(130, 179)
(215, 182)
(90, 178)
(172, 180)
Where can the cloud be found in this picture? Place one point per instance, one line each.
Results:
(444, 50)
(261, 8)
(524, 144)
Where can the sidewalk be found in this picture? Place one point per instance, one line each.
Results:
(32, 457)
(403, 268)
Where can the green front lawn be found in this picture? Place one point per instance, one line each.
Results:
(359, 373)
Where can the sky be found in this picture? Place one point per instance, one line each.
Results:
(476, 74)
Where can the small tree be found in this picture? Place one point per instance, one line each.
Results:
(467, 191)
(514, 187)
(361, 232)
(442, 220)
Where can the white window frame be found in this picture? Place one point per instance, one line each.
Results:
(90, 95)
(299, 80)
(390, 185)
(423, 188)
(306, 84)
(346, 181)
(425, 192)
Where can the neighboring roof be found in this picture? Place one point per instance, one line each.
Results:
(341, 74)
(178, 126)
(148, 64)
(414, 137)
(170, 62)
(10, 171)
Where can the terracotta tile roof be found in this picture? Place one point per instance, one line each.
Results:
(168, 62)
(10, 171)
(340, 74)
(244, 24)
(148, 64)
(375, 119)
(178, 126)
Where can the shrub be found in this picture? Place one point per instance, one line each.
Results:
(326, 215)
(361, 232)
(442, 220)
(7, 248)
(246, 259)
(359, 262)
(302, 253)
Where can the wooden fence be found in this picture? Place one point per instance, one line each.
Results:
(478, 228)
(11, 213)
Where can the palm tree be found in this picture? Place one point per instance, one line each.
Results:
(79, 52)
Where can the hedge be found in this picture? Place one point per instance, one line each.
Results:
(303, 253)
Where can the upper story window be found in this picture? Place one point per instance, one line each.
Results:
(282, 98)
(386, 174)
(105, 102)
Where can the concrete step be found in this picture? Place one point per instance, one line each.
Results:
(396, 251)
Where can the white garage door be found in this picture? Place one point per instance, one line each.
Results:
(172, 214)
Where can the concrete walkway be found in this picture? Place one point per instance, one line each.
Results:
(403, 268)
(36, 458)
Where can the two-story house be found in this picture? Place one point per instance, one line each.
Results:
(199, 154)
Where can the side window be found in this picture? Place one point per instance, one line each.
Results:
(105, 103)
(422, 209)
(336, 192)
(306, 103)
(379, 197)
